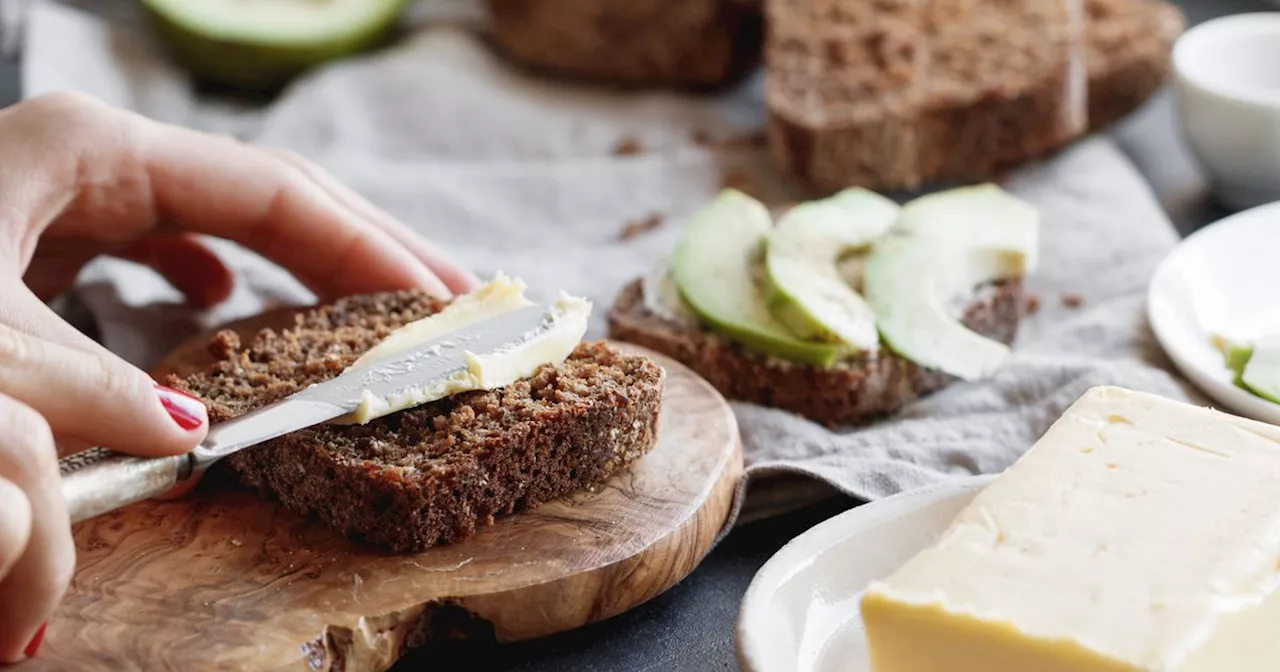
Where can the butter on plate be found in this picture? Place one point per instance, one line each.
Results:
(1138, 535)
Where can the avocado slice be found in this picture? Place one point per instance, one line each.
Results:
(1261, 367)
(714, 267)
(944, 246)
(257, 47)
(803, 285)
(1236, 356)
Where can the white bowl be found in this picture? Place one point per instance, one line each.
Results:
(1223, 280)
(801, 612)
(1227, 78)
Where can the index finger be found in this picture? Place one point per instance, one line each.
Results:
(88, 171)
(225, 188)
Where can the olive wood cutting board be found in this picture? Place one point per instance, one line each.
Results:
(223, 579)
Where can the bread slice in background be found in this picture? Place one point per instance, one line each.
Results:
(852, 392)
(847, 54)
(894, 93)
(432, 474)
(680, 43)
(1130, 54)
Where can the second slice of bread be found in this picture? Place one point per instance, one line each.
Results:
(852, 392)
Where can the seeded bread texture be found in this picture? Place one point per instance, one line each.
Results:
(680, 43)
(853, 392)
(432, 474)
(891, 93)
(1130, 50)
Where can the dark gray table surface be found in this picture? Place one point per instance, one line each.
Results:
(691, 627)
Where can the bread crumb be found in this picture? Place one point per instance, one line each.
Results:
(1033, 304)
(704, 138)
(756, 139)
(1072, 300)
(640, 227)
(627, 146)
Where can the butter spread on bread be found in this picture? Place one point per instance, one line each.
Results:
(558, 335)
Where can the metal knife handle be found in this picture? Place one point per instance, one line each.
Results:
(99, 480)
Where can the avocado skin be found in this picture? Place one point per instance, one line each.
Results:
(254, 67)
(747, 327)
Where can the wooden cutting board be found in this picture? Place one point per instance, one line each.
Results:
(226, 580)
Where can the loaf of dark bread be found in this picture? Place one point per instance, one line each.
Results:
(852, 392)
(681, 43)
(428, 475)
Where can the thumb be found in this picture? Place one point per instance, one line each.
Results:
(93, 396)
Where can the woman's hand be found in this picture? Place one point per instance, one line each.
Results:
(79, 179)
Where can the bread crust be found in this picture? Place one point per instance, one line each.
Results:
(851, 393)
(697, 44)
(436, 473)
(1130, 54)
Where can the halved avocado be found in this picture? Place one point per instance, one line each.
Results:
(943, 247)
(803, 284)
(257, 46)
(714, 267)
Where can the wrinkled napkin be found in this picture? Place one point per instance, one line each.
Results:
(517, 174)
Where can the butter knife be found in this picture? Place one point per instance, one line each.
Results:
(97, 481)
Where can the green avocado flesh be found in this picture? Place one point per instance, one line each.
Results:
(1237, 356)
(259, 45)
(1258, 367)
(714, 267)
(803, 286)
(944, 246)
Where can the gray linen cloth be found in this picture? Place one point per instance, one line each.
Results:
(517, 174)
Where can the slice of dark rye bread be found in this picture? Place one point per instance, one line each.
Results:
(697, 44)
(852, 392)
(1130, 54)
(894, 93)
(706, 43)
(432, 474)
(825, 134)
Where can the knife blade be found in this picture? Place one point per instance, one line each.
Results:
(98, 480)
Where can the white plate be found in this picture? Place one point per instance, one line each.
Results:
(801, 612)
(1224, 279)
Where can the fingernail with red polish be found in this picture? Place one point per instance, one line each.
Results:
(34, 646)
(185, 409)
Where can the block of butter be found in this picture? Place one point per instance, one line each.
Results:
(1138, 535)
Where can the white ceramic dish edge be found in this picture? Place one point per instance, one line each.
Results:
(1185, 287)
(773, 638)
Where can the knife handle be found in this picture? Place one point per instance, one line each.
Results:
(98, 480)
